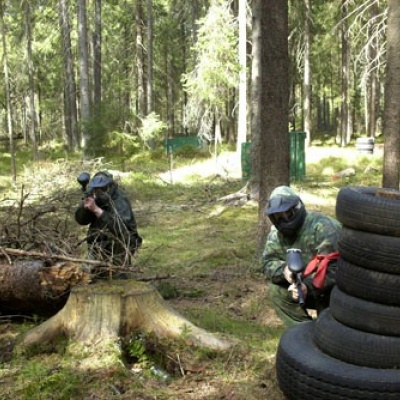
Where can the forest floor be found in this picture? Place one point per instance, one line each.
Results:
(205, 249)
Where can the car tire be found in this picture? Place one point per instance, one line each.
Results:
(304, 372)
(355, 346)
(371, 250)
(364, 315)
(360, 208)
(379, 287)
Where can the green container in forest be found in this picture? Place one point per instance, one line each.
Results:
(176, 142)
(297, 157)
(246, 161)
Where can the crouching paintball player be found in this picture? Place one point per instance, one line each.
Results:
(112, 234)
(299, 258)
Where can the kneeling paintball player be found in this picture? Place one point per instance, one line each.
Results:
(112, 234)
(301, 237)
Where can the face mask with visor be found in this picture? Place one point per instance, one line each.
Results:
(287, 214)
(284, 216)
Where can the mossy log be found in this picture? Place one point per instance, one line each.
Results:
(111, 309)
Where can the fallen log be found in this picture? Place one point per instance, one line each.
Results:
(37, 286)
(105, 311)
(41, 285)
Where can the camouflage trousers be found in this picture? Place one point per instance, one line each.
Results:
(288, 310)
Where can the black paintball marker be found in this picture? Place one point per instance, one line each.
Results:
(296, 266)
(83, 179)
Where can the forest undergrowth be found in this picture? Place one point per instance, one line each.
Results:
(200, 254)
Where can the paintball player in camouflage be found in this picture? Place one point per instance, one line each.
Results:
(316, 235)
(112, 234)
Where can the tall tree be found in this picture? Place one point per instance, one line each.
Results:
(344, 125)
(372, 81)
(242, 116)
(141, 96)
(391, 118)
(70, 110)
(8, 94)
(307, 72)
(150, 58)
(97, 58)
(216, 72)
(31, 108)
(84, 73)
(270, 88)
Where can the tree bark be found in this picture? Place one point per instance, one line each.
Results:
(32, 111)
(391, 127)
(344, 123)
(272, 95)
(36, 286)
(8, 95)
(150, 58)
(141, 96)
(84, 72)
(307, 72)
(70, 110)
(242, 115)
(97, 66)
(108, 310)
(372, 81)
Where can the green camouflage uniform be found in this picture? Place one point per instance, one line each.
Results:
(319, 234)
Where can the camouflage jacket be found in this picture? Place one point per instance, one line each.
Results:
(319, 234)
(115, 230)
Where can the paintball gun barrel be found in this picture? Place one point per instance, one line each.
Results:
(296, 266)
(83, 179)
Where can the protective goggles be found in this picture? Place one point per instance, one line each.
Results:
(284, 216)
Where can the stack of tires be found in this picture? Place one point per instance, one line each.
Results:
(352, 351)
(365, 145)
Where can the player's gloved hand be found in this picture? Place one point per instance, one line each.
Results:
(289, 276)
(295, 293)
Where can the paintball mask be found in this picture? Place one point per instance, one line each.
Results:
(286, 211)
(99, 185)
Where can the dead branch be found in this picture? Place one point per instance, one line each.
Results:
(240, 196)
(46, 256)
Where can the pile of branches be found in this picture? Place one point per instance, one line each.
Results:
(37, 216)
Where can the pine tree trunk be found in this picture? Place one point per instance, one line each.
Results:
(97, 66)
(8, 96)
(307, 72)
(150, 58)
(141, 96)
(391, 117)
(84, 72)
(32, 113)
(270, 115)
(70, 117)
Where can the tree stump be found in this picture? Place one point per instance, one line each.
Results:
(107, 310)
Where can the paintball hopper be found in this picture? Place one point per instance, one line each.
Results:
(293, 260)
(83, 179)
